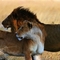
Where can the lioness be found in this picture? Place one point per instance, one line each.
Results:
(35, 32)
(11, 46)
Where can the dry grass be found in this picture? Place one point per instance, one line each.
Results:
(48, 11)
(45, 56)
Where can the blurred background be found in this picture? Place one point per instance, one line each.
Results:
(47, 11)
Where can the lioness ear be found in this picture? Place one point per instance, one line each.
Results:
(29, 25)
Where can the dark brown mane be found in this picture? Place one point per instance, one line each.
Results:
(24, 14)
(18, 16)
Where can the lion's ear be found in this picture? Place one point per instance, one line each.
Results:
(29, 25)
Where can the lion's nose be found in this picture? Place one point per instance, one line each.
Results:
(4, 24)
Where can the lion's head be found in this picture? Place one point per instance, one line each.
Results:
(17, 17)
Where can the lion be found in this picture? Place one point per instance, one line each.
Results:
(17, 17)
(9, 45)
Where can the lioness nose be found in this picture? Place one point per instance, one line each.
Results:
(21, 37)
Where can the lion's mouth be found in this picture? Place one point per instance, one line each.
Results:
(6, 26)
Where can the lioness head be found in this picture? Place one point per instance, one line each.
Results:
(17, 17)
(25, 28)
(30, 30)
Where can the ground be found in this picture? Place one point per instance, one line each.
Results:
(47, 11)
